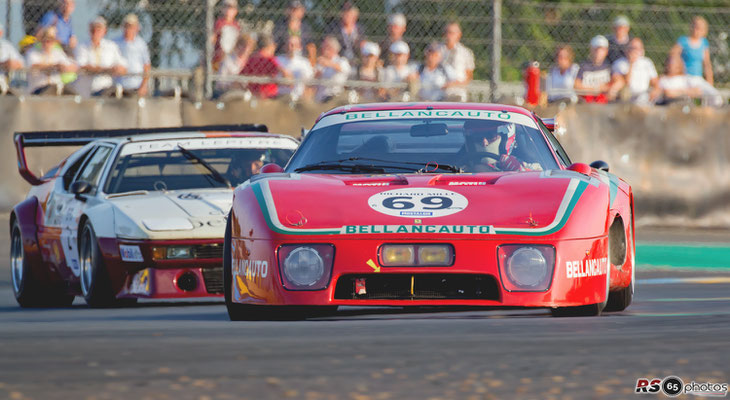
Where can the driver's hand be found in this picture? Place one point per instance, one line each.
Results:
(509, 163)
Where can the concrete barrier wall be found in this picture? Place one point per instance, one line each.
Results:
(675, 158)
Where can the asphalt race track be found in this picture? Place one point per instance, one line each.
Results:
(678, 325)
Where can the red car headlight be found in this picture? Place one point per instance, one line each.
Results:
(526, 267)
(416, 255)
(306, 266)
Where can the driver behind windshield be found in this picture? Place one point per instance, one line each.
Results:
(243, 168)
(489, 146)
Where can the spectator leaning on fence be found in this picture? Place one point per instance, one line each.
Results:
(560, 80)
(695, 50)
(618, 43)
(399, 71)
(460, 59)
(60, 18)
(264, 63)
(332, 67)
(293, 26)
(676, 85)
(636, 73)
(134, 50)
(434, 77)
(10, 60)
(99, 59)
(396, 30)
(370, 69)
(225, 31)
(46, 62)
(593, 81)
(298, 67)
(349, 33)
(233, 63)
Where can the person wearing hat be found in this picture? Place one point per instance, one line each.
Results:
(134, 50)
(434, 77)
(98, 59)
(46, 63)
(298, 67)
(593, 82)
(399, 70)
(332, 67)
(370, 69)
(396, 29)
(60, 18)
(226, 31)
(10, 60)
(618, 43)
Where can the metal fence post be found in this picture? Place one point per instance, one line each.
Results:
(209, 27)
(496, 48)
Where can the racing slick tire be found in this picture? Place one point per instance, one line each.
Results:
(620, 299)
(246, 312)
(96, 286)
(28, 290)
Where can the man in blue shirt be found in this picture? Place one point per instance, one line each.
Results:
(61, 19)
(135, 51)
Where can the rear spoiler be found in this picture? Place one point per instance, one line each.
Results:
(82, 137)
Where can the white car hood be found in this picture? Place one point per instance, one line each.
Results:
(180, 214)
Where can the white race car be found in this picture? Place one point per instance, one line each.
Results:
(132, 213)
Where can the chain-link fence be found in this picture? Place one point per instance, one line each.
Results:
(189, 34)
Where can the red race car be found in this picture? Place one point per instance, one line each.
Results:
(430, 204)
(133, 213)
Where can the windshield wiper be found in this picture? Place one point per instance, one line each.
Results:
(213, 172)
(433, 165)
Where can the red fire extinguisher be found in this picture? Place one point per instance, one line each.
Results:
(532, 83)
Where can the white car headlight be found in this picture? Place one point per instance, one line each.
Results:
(306, 267)
(526, 268)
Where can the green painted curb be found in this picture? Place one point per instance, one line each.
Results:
(683, 256)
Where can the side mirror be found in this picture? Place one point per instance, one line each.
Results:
(80, 187)
(582, 168)
(549, 123)
(600, 164)
(271, 168)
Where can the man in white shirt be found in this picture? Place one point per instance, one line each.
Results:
(99, 59)
(298, 66)
(46, 63)
(637, 73)
(333, 67)
(460, 59)
(398, 71)
(434, 76)
(135, 51)
(10, 60)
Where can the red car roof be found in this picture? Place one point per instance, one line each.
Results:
(423, 106)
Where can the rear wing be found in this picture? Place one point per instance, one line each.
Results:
(82, 137)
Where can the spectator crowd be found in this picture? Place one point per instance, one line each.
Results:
(618, 70)
(287, 61)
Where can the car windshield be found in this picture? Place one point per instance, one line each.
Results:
(173, 170)
(438, 145)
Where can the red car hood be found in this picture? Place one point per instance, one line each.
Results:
(526, 203)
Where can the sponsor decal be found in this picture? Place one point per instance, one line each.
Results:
(464, 183)
(673, 386)
(446, 229)
(586, 268)
(359, 116)
(141, 283)
(207, 143)
(251, 269)
(418, 202)
(130, 253)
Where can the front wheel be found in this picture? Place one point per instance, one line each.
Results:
(95, 283)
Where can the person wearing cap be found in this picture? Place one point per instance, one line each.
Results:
(695, 50)
(399, 70)
(618, 43)
(298, 67)
(594, 82)
(10, 60)
(98, 59)
(349, 33)
(46, 63)
(370, 69)
(60, 18)
(264, 63)
(294, 26)
(460, 59)
(333, 67)
(225, 31)
(637, 74)
(135, 51)
(434, 77)
(396, 29)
